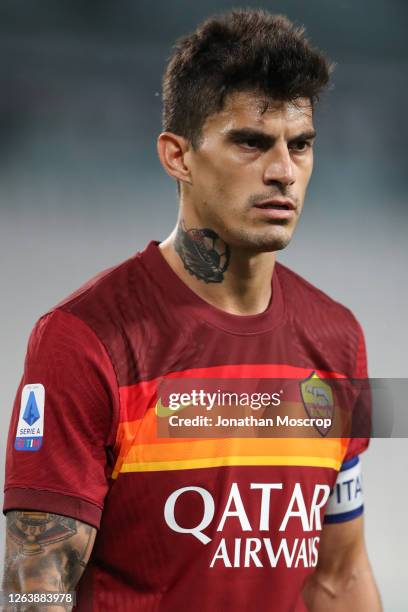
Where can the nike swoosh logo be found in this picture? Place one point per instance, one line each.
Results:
(165, 411)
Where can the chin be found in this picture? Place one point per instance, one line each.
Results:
(272, 245)
(263, 241)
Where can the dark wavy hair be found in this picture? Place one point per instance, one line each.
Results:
(243, 50)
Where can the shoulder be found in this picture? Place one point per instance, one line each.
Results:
(306, 301)
(105, 289)
(322, 323)
(93, 308)
(109, 313)
(110, 298)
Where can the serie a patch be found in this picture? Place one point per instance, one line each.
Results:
(30, 426)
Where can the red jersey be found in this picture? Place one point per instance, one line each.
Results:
(183, 523)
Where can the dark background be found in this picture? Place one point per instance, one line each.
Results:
(81, 187)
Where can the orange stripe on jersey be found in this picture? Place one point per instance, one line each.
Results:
(189, 464)
(201, 449)
(139, 449)
(234, 451)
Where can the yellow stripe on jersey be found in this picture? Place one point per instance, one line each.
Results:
(189, 464)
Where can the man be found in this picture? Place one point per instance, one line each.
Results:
(95, 498)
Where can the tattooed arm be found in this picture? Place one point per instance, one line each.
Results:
(45, 552)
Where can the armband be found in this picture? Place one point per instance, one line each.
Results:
(346, 498)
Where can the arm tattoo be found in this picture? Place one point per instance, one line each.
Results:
(203, 253)
(45, 552)
(34, 531)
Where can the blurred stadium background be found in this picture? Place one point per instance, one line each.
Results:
(81, 187)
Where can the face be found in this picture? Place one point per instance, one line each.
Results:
(251, 169)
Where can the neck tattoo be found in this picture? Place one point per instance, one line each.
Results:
(202, 252)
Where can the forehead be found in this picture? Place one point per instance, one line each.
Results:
(248, 109)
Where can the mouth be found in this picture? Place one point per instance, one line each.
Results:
(276, 210)
(276, 205)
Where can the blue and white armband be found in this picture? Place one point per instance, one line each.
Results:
(346, 498)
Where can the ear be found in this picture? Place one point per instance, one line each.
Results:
(172, 151)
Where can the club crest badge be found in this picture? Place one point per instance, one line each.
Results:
(318, 400)
(30, 427)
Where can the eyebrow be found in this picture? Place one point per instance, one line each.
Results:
(264, 140)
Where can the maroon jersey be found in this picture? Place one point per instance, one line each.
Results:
(210, 523)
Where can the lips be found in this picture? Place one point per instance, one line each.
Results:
(276, 205)
(275, 210)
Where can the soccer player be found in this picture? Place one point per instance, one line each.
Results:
(96, 499)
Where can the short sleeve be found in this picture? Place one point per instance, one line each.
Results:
(67, 402)
(362, 407)
(346, 501)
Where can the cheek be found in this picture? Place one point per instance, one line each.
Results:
(219, 163)
(207, 172)
(217, 179)
(304, 172)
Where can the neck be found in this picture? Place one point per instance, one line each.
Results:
(232, 279)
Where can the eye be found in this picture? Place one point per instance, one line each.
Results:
(300, 145)
(250, 143)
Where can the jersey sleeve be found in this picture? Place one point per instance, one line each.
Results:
(346, 500)
(63, 423)
(362, 407)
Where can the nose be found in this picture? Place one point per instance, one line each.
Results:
(279, 166)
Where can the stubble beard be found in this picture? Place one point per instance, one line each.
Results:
(244, 234)
(264, 238)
